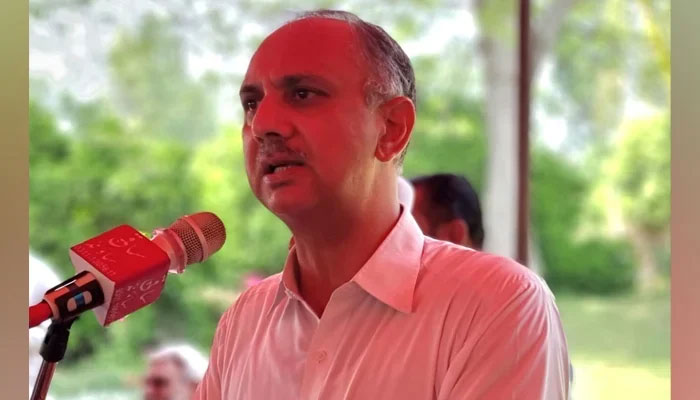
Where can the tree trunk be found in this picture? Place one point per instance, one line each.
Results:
(500, 64)
(647, 276)
(500, 199)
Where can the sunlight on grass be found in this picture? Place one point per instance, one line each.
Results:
(619, 345)
(599, 380)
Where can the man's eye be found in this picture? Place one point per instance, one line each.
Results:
(302, 94)
(249, 105)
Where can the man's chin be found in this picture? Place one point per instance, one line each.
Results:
(287, 206)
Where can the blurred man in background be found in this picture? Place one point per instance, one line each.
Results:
(174, 371)
(447, 208)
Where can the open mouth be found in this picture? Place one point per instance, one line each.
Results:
(281, 166)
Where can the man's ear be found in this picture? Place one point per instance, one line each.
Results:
(455, 231)
(398, 116)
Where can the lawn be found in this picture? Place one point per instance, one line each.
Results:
(620, 346)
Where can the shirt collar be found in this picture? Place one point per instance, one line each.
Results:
(390, 274)
(288, 279)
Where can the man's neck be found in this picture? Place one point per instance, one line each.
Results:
(331, 251)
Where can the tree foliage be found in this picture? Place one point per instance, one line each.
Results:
(641, 172)
(574, 262)
(153, 89)
(606, 54)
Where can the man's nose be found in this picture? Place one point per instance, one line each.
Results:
(272, 118)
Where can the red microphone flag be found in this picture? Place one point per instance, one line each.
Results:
(130, 268)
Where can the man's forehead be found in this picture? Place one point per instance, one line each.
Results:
(307, 46)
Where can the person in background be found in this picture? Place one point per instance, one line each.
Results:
(174, 371)
(447, 207)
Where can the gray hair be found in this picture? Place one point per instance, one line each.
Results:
(192, 363)
(392, 72)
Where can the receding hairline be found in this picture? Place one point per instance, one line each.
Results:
(357, 39)
(353, 23)
(356, 42)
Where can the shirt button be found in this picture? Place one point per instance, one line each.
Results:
(320, 356)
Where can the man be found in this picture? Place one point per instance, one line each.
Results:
(366, 307)
(174, 371)
(446, 207)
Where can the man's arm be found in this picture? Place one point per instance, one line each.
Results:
(521, 353)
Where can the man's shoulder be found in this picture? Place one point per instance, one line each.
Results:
(483, 286)
(475, 272)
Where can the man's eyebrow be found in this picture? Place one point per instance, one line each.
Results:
(293, 80)
(250, 88)
(286, 82)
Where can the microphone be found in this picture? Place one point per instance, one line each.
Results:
(121, 270)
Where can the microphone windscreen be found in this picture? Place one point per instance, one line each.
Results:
(202, 234)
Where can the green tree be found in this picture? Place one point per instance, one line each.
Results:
(575, 262)
(604, 57)
(82, 185)
(633, 196)
(153, 89)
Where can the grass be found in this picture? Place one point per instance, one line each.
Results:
(620, 346)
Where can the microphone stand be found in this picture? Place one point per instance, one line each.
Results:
(52, 351)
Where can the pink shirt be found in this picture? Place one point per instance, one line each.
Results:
(423, 319)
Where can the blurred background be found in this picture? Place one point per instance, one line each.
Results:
(135, 118)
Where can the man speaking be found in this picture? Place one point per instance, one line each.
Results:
(366, 307)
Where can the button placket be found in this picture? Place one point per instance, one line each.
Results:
(323, 342)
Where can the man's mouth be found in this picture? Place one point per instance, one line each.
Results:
(271, 168)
